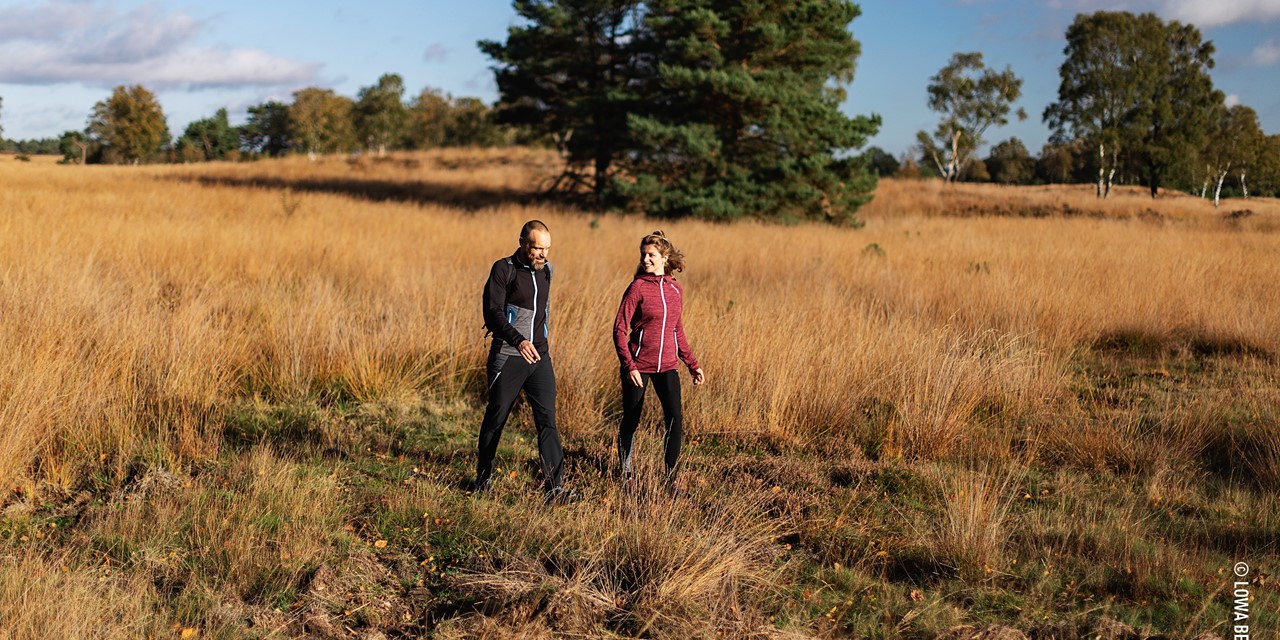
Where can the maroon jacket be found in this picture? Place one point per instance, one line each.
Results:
(649, 332)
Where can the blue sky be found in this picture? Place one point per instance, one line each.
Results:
(59, 57)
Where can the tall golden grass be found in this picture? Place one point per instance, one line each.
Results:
(140, 303)
(975, 339)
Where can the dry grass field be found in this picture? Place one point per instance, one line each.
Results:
(240, 401)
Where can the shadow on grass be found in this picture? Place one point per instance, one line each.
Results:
(1203, 345)
(422, 192)
(287, 426)
(582, 464)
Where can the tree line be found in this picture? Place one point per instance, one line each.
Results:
(724, 109)
(130, 126)
(1135, 105)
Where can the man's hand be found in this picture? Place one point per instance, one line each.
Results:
(529, 352)
(698, 378)
(636, 379)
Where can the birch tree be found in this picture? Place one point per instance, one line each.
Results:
(1235, 141)
(1137, 90)
(320, 121)
(971, 98)
(130, 125)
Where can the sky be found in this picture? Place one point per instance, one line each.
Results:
(60, 57)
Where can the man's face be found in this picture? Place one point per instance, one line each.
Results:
(535, 248)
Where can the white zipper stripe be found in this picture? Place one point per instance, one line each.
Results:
(639, 341)
(533, 276)
(662, 340)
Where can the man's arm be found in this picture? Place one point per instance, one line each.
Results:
(495, 305)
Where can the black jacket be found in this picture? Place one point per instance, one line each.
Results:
(516, 298)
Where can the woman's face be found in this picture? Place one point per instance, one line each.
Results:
(652, 260)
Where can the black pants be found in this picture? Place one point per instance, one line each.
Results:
(667, 385)
(507, 376)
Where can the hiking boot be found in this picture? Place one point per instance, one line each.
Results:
(480, 487)
(629, 484)
(676, 489)
(560, 495)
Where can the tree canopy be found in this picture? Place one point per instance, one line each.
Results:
(267, 129)
(970, 98)
(1136, 89)
(380, 113)
(711, 108)
(210, 139)
(321, 121)
(130, 125)
(1010, 163)
(569, 74)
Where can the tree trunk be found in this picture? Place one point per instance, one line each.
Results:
(937, 162)
(1243, 188)
(1217, 191)
(953, 170)
(1102, 167)
(604, 158)
(1111, 173)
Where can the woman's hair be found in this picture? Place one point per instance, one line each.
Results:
(675, 258)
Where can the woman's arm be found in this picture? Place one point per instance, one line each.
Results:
(622, 325)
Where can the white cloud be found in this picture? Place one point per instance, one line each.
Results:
(60, 42)
(46, 21)
(1202, 13)
(1220, 12)
(1267, 53)
(1231, 100)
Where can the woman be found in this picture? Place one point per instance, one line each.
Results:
(649, 336)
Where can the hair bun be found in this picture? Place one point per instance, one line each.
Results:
(659, 233)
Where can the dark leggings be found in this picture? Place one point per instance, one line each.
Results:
(667, 384)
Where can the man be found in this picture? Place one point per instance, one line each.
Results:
(515, 310)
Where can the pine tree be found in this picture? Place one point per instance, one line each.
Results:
(568, 74)
(267, 129)
(211, 138)
(741, 114)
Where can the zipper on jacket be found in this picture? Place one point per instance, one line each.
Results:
(662, 341)
(534, 318)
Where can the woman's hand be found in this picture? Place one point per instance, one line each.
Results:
(636, 379)
(698, 377)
